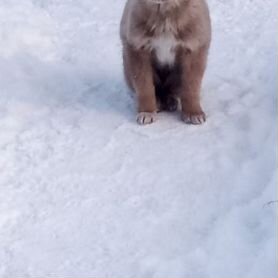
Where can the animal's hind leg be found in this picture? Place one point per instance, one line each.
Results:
(170, 103)
(167, 97)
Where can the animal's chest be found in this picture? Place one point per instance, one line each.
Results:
(164, 47)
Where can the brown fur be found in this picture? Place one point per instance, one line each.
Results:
(186, 22)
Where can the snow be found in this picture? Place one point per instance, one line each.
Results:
(86, 192)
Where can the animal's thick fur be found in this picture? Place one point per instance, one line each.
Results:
(165, 47)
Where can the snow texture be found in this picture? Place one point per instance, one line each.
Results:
(86, 192)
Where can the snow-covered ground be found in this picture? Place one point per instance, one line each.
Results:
(86, 192)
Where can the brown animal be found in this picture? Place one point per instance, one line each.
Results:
(165, 48)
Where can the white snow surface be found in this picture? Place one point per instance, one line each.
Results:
(86, 192)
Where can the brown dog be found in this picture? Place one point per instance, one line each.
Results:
(165, 48)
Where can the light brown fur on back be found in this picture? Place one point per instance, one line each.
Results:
(165, 47)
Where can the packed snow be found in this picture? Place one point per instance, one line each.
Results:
(86, 192)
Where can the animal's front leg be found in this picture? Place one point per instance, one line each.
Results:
(142, 81)
(193, 68)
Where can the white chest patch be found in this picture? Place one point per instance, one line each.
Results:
(164, 47)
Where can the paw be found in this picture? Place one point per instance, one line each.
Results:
(194, 118)
(171, 104)
(145, 118)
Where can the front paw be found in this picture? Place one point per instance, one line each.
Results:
(194, 118)
(145, 118)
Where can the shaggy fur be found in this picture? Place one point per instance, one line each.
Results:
(165, 48)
